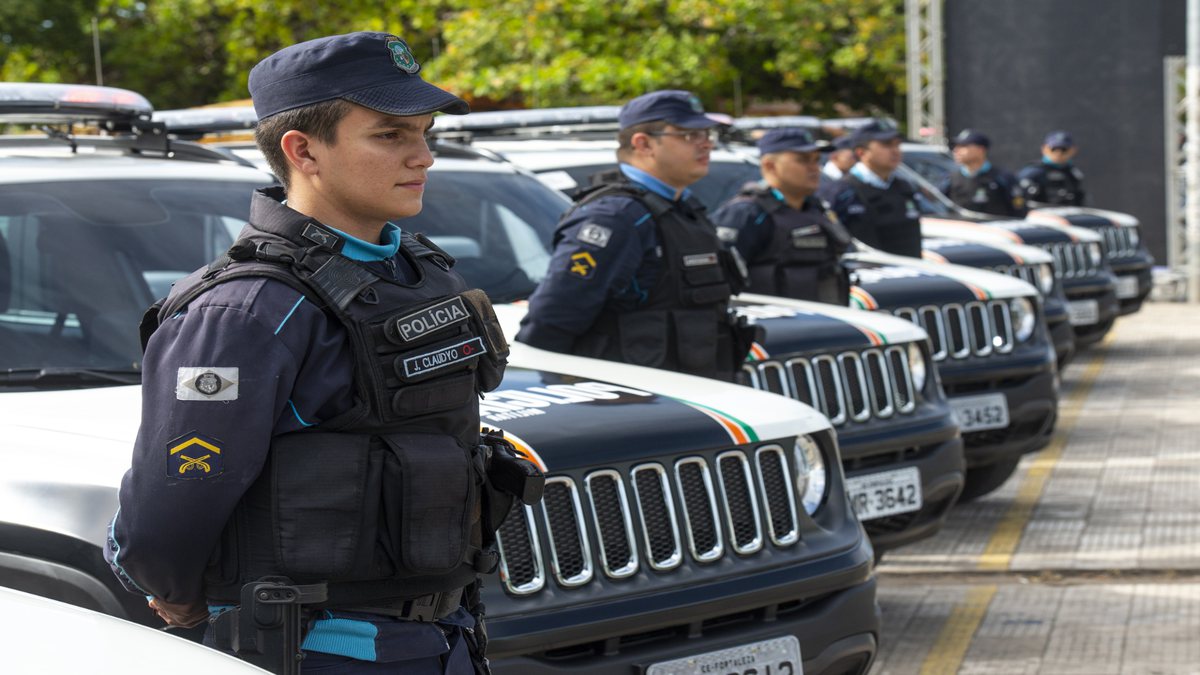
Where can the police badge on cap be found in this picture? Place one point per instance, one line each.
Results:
(402, 56)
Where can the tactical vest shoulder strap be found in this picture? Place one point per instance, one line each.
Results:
(421, 246)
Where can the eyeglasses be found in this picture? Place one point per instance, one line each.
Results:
(695, 136)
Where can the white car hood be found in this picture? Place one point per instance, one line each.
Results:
(998, 286)
(998, 230)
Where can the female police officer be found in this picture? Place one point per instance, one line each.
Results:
(310, 399)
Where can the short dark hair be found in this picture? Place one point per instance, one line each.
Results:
(319, 120)
(625, 136)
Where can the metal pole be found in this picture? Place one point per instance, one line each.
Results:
(96, 52)
(1173, 105)
(1193, 151)
(912, 34)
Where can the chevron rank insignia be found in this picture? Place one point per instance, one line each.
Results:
(193, 456)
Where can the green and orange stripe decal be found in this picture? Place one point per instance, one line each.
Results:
(876, 339)
(757, 353)
(738, 431)
(862, 299)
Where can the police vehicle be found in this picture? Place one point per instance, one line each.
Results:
(37, 630)
(684, 520)
(1003, 390)
(1079, 264)
(1120, 236)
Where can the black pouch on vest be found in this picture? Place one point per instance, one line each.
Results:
(696, 338)
(643, 337)
(491, 366)
(431, 502)
(328, 488)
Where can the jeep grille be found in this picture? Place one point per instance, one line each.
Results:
(1026, 273)
(1117, 242)
(846, 387)
(961, 331)
(655, 514)
(1071, 260)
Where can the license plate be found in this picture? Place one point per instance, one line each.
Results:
(886, 493)
(1127, 286)
(780, 656)
(978, 413)
(1083, 312)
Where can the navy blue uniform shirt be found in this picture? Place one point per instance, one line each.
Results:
(745, 225)
(606, 255)
(285, 365)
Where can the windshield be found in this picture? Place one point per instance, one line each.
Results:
(930, 200)
(80, 262)
(932, 165)
(497, 226)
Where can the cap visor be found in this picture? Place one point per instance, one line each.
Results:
(700, 121)
(409, 97)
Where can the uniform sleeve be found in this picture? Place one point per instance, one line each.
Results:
(843, 201)
(597, 252)
(215, 380)
(745, 225)
(1013, 193)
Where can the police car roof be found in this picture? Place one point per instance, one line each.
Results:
(58, 164)
(547, 154)
(38, 103)
(195, 122)
(504, 120)
(781, 121)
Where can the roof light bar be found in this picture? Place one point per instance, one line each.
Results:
(788, 121)
(34, 103)
(200, 121)
(500, 120)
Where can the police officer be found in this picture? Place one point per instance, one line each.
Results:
(638, 274)
(310, 399)
(841, 159)
(789, 238)
(875, 206)
(979, 185)
(1054, 179)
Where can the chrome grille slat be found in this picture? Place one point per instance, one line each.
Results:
(858, 398)
(739, 502)
(521, 569)
(614, 524)
(773, 378)
(979, 324)
(570, 553)
(701, 521)
(779, 497)
(880, 382)
(977, 328)
(804, 382)
(957, 333)
(656, 515)
(902, 382)
(829, 387)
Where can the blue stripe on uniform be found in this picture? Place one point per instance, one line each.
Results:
(642, 220)
(112, 537)
(297, 414)
(289, 315)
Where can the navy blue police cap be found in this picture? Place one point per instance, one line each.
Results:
(1059, 139)
(674, 106)
(788, 139)
(874, 131)
(971, 137)
(844, 142)
(375, 70)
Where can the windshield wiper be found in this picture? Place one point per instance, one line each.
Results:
(67, 374)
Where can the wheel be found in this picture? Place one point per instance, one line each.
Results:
(984, 479)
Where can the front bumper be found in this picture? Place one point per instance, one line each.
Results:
(1135, 268)
(933, 445)
(1059, 326)
(1030, 387)
(1103, 289)
(829, 605)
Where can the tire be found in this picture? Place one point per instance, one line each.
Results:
(982, 480)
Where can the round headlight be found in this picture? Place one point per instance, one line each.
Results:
(1045, 278)
(811, 475)
(1024, 318)
(1095, 254)
(1134, 237)
(916, 365)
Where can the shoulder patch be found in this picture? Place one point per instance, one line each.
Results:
(596, 235)
(206, 383)
(582, 265)
(194, 455)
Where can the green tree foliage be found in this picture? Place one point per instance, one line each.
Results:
(516, 53)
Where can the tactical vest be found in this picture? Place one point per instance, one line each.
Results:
(389, 500)
(803, 258)
(685, 323)
(1063, 186)
(984, 192)
(890, 221)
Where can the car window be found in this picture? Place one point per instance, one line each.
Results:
(497, 226)
(80, 262)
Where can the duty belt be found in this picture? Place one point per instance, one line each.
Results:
(430, 607)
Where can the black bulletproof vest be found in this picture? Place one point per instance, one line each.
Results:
(983, 192)
(382, 502)
(803, 259)
(1062, 185)
(891, 221)
(684, 324)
